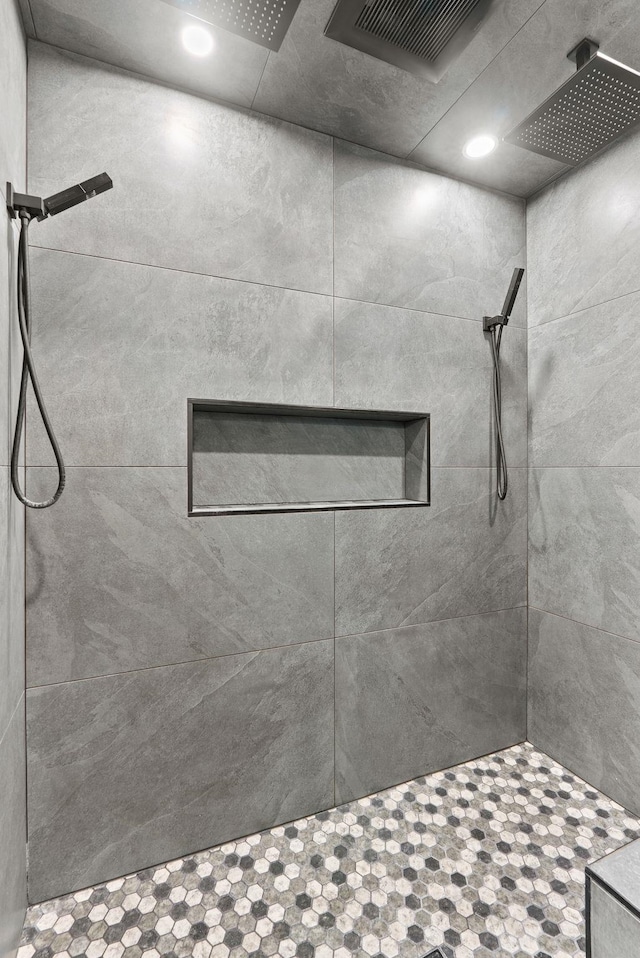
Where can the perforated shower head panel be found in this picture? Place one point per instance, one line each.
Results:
(599, 103)
(262, 21)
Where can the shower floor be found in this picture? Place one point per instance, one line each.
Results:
(484, 859)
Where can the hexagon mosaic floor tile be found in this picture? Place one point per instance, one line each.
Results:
(482, 860)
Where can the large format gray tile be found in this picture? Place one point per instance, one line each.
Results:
(135, 342)
(129, 770)
(615, 931)
(584, 537)
(197, 185)
(11, 600)
(145, 37)
(408, 566)
(390, 358)
(13, 833)
(119, 578)
(329, 86)
(13, 98)
(583, 235)
(584, 703)
(407, 237)
(415, 700)
(584, 387)
(241, 458)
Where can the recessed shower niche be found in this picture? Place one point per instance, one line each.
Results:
(261, 457)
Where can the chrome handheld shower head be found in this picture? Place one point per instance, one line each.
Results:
(26, 208)
(494, 325)
(77, 194)
(40, 209)
(488, 322)
(512, 292)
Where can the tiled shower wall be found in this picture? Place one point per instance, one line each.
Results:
(191, 680)
(13, 96)
(584, 560)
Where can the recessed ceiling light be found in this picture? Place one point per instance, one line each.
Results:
(480, 146)
(197, 40)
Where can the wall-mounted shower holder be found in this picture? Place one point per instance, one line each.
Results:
(39, 208)
(488, 322)
(34, 205)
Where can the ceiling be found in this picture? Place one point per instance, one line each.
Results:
(515, 61)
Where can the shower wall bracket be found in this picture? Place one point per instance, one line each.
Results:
(583, 52)
(34, 205)
(272, 458)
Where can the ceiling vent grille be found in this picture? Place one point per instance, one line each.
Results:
(421, 36)
(262, 21)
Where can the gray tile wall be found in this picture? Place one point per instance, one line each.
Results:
(200, 654)
(584, 485)
(13, 94)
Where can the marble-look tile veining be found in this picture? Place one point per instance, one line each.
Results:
(156, 337)
(485, 859)
(397, 568)
(584, 387)
(406, 237)
(120, 578)
(126, 770)
(583, 546)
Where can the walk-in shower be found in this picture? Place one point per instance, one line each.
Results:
(26, 207)
(493, 325)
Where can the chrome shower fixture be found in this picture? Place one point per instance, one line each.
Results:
(26, 207)
(598, 104)
(494, 325)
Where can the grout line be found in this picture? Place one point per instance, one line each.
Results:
(175, 269)
(333, 267)
(586, 625)
(536, 467)
(262, 72)
(72, 465)
(583, 309)
(528, 476)
(181, 662)
(418, 625)
(33, 22)
(475, 80)
(254, 652)
(250, 282)
(21, 697)
(335, 704)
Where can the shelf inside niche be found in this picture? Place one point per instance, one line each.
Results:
(258, 458)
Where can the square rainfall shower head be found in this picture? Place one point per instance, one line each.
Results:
(599, 103)
(262, 21)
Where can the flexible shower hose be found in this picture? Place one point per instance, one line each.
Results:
(29, 371)
(502, 479)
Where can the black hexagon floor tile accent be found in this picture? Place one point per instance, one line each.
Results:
(482, 860)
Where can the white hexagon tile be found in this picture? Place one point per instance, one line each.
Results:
(483, 860)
